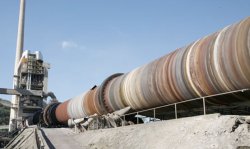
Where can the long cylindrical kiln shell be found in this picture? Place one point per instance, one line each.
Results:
(214, 64)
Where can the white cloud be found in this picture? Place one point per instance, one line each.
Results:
(69, 45)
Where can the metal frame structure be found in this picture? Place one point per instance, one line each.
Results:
(186, 101)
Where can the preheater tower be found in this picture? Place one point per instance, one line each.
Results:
(30, 81)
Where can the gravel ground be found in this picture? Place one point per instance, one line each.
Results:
(210, 131)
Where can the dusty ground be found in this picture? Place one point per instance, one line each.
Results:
(210, 131)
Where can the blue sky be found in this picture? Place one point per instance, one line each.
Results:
(87, 40)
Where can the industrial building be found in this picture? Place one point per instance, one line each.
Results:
(196, 97)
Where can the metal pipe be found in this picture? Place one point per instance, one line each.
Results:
(51, 95)
(215, 64)
(19, 51)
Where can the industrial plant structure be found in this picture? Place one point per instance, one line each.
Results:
(214, 69)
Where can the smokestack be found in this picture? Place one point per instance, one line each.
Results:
(19, 51)
(20, 34)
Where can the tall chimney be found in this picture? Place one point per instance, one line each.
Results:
(19, 51)
(20, 34)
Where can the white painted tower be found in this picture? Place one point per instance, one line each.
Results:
(19, 51)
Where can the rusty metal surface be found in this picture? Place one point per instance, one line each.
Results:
(61, 112)
(214, 64)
